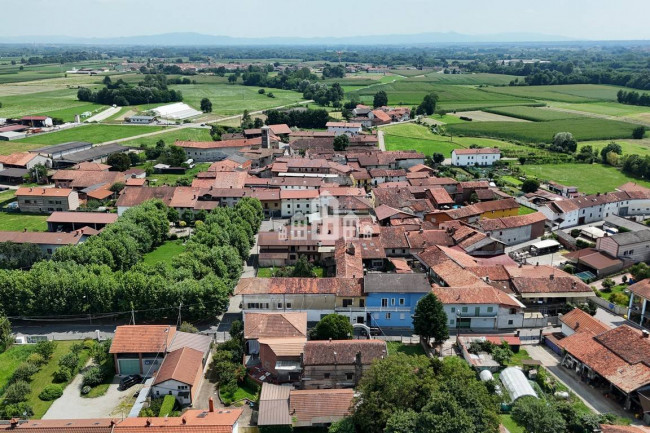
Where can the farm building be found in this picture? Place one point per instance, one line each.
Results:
(515, 382)
(177, 111)
(471, 157)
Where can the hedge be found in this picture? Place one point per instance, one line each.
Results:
(167, 405)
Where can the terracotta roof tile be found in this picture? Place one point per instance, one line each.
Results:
(580, 321)
(275, 325)
(142, 338)
(183, 365)
(343, 352)
(319, 406)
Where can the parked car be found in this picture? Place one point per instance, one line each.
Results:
(128, 381)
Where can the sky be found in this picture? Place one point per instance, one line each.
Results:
(579, 19)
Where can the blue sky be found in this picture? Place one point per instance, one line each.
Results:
(581, 19)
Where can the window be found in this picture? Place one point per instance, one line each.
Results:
(510, 322)
(402, 301)
(297, 206)
(452, 321)
(490, 309)
(402, 316)
(279, 305)
(326, 375)
(362, 302)
(464, 309)
(289, 305)
(349, 376)
(392, 301)
(453, 309)
(387, 316)
(347, 302)
(384, 302)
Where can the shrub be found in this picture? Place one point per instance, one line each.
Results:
(17, 392)
(85, 390)
(89, 344)
(46, 348)
(76, 348)
(69, 361)
(51, 392)
(18, 410)
(62, 375)
(36, 359)
(167, 405)
(24, 372)
(620, 299)
(575, 233)
(93, 376)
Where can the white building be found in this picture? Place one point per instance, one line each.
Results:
(470, 157)
(634, 246)
(180, 375)
(349, 128)
(299, 201)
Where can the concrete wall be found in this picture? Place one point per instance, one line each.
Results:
(480, 159)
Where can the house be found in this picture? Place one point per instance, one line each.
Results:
(141, 120)
(46, 200)
(299, 202)
(630, 246)
(480, 308)
(379, 117)
(638, 310)
(24, 160)
(514, 229)
(133, 196)
(210, 151)
(597, 262)
(69, 221)
(391, 298)
(578, 320)
(616, 359)
(348, 128)
(472, 157)
(563, 190)
(180, 375)
(47, 242)
(339, 363)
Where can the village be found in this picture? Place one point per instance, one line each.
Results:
(353, 237)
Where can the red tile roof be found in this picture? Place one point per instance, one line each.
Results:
(183, 365)
(477, 151)
(192, 420)
(580, 321)
(287, 194)
(275, 325)
(641, 288)
(318, 406)
(309, 286)
(511, 222)
(244, 142)
(20, 158)
(142, 338)
(343, 352)
(43, 192)
(82, 217)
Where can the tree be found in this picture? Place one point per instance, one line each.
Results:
(611, 147)
(438, 158)
(530, 185)
(119, 161)
(380, 99)
(5, 333)
(117, 187)
(428, 105)
(522, 160)
(608, 283)
(232, 78)
(538, 416)
(303, 268)
(38, 174)
(341, 142)
(206, 105)
(188, 327)
(430, 319)
(638, 132)
(564, 142)
(333, 326)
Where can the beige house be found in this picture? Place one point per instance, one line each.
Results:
(46, 200)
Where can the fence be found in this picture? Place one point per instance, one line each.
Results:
(616, 309)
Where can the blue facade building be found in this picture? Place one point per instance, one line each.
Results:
(391, 298)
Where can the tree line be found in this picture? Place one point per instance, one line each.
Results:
(633, 98)
(106, 273)
(152, 89)
(316, 119)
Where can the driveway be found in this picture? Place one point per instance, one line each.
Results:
(591, 396)
(72, 405)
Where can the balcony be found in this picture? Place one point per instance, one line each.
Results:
(393, 309)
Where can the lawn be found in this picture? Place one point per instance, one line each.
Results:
(170, 179)
(19, 221)
(542, 132)
(621, 288)
(639, 147)
(164, 253)
(589, 178)
(247, 390)
(518, 357)
(181, 134)
(10, 359)
(91, 133)
(511, 180)
(510, 424)
(98, 391)
(525, 210)
(228, 99)
(399, 347)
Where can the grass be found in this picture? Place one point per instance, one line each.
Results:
(44, 377)
(408, 349)
(170, 179)
(562, 93)
(9, 147)
(511, 180)
(18, 221)
(621, 288)
(61, 103)
(448, 119)
(268, 272)
(518, 357)
(510, 424)
(247, 390)
(92, 133)
(589, 178)
(542, 132)
(525, 210)
(638, 147)
(535, 114)
(164, 253)
(97, 391)
(180, 134)
(604, 108)
(10, 359)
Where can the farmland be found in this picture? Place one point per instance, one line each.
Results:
(561, 93)
(589, 178)
(169, 137)
(639, 147)
(535, 114)
(54, 103)
(92, 133)
(543, 132)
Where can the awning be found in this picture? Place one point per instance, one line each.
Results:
(288, 366)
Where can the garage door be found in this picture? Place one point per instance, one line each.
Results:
(129, 366)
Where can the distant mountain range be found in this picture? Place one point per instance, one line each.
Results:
(198, 39)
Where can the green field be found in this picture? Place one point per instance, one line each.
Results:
(605, 108)
(561, 93)
(170, 179)
(639, 147)
(54, 103)
(164, 253)
(542, 132)
(536, 114)
(19, 221)
(589, 178)
(10, 359)
(92, 133)
(182, 134)
(228, 99)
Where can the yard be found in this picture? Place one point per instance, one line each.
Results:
(408, 349)
(19, 221)
(268, 272)
(170, 179)
(171, 136)
(92, 133)
(164, 253)
(510, 424)
(518, 357)
(525, 210)
(247, 390)
(616, 295)
(589, 178)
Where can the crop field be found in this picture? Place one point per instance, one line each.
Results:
(12, 73)
(182, 134)
(542, 132)
(562, 93)
(55, 103)
(487, 116)
(535, 114)
(91, 133)
(589, 178)
(638, 147)
(605, 108)
(464, 79)
(228, 99)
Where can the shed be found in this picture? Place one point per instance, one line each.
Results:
(516, 384)
(544, 247)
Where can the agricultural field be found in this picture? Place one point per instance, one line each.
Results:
(535, 114)
(465, 79)
(171, 136)
(589, 178)
(606, 108)
(638, 147)
(12, 74)
(487, 116)
(561, 93)
(8, 147)
(92, 133)
(542, 132)
(55, 103)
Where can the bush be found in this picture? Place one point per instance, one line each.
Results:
(46, 349)
(76, 348)
(36, 359)
(85, 389)
(51, 392)
(62, 375)
(167, 405)
(620, 299)
(18, 410)
(24, 372)
(93, 376)
(69, 361)
(17, 392)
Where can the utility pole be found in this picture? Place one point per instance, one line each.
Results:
(178, 323)
(132, 321)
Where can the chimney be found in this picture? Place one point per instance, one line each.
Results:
(645, 334)
(552, 276)
(184, 421)
(14, 422)
(148, 422)
(211, 404)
